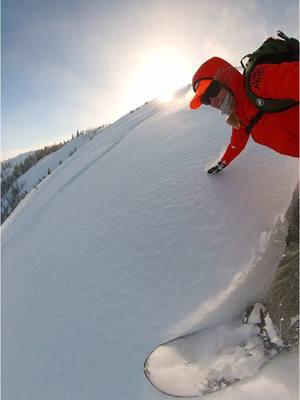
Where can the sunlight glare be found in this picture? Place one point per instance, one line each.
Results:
(162, 72)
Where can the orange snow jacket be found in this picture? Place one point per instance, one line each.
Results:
(279, 130)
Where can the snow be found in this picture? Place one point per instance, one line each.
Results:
(38, 172)
(19, 158)
(32, 177)
(130, 243)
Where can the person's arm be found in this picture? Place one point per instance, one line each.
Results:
(239, 139)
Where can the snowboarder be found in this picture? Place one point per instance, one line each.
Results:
(220, 85)
(241, 98)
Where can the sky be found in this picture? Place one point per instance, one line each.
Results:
(71, 65)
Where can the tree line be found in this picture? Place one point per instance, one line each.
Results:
(11, 190)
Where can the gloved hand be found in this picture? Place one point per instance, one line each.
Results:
(217, 168)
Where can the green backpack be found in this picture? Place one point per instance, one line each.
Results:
(272, 51)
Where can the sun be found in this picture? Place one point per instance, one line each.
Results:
(160, 74)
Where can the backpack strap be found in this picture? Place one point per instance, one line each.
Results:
(254, 121)
(267, 105)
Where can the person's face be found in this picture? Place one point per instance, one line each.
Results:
(216, 101)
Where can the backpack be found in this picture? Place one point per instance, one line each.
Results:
(272, 51)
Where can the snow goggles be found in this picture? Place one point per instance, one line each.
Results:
(212, 91)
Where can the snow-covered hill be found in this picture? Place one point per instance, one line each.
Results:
(19, 184)
(130, 243)
(38, 172)
(19, 158)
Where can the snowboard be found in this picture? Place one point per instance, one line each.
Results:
(208, 360)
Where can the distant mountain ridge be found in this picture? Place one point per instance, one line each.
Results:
(21, 174)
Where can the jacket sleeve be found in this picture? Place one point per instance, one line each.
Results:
(276, 81)
(239, 139)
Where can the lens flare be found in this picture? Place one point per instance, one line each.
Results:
(160, 73)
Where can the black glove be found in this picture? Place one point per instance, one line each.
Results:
(217, 168)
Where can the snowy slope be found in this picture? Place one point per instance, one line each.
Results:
(131, 243)
(19, 158)
(40, 170)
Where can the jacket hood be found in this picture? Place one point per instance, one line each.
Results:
(220, 70)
